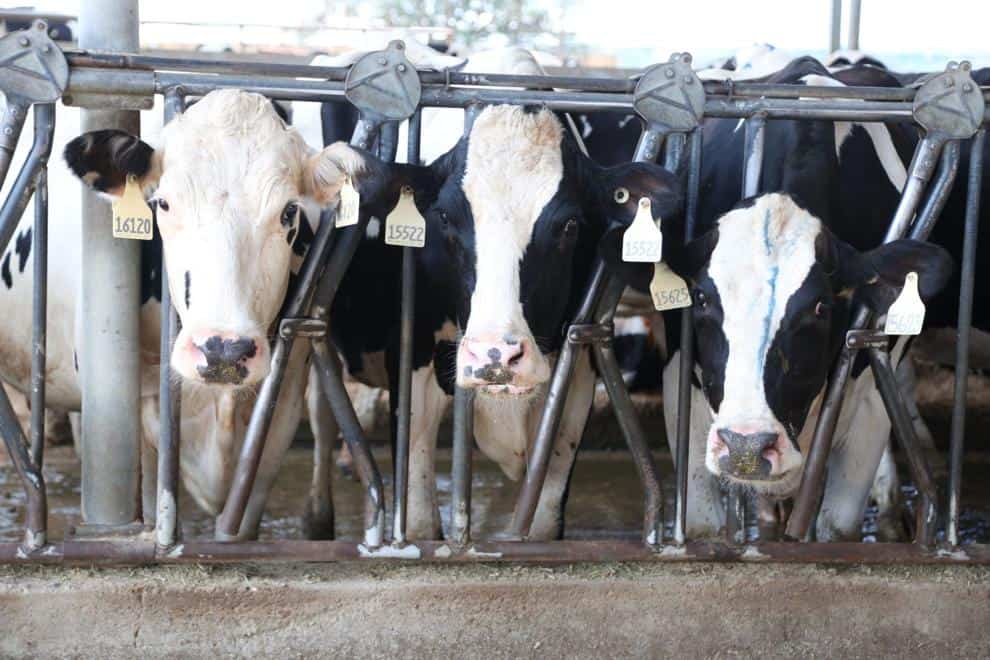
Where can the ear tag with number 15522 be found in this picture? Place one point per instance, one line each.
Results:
(668, 289)
(906, 314)
(405, 226)
(132, 216)
(642, 241)
(350, 205)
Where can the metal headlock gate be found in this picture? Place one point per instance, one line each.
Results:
(385, 87)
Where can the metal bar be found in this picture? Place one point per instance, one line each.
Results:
(908, 439)
(753, 155)
(673, 151)
(408, 312)
(836, 26)
(229, 521)
(854, 12)
(968, 279)
(687, 348)
(735, 518)
(332, 383)
(14, 115)
(940, 191)
(109, 355)
(86, 553)
(460, 503)
(809, 494)
(648, 146)
(39, 324)
(169, 395)
(23, 187)
(632, 431)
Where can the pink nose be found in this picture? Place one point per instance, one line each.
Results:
(489, 361)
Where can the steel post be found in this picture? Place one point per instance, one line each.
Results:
(461, 460)
(940, 191)
(968, 280)
(836, 26)
(673, 151)
(753, 155)
(169, 395)
(855, 6)
(39, 325)
(109, 355)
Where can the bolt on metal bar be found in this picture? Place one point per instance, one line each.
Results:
(908, 439)
(407, 322)
(812, 481)
(461, 468)
(169, 394)
(947, 169)
(687, 348)
(968, 279)
(11, 124)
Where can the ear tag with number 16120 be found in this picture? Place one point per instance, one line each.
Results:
(350, 205)
(405, 226)
(642, 242)
(132, 216)
(906, 315)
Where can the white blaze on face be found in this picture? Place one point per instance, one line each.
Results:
(514, 167)
(763, 255)
(230, 166)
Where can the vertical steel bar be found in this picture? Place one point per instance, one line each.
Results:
(169, 395)
(109, 355)
(836, 26)
(460, 503)
(968, 280)
(947, 169)
(906, 436)
(408, 311)
(39, 326)
(812, 480)
(687, 349)
(674, 151)
(753, 154)
(855, 7)
(648, 146)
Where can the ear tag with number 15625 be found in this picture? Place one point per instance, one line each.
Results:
(668, 289)
(906, 315)
(405, 226)
(132, 216)
(350, 205)
(642, 241)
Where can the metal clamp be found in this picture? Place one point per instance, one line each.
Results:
(590, 333)
(670, 95)
(32, 67)
(950, 103)
(384, 85)
(867, 338)
(302, 326)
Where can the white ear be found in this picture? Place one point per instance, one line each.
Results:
(326, 171)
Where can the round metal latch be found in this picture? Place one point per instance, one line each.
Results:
(670, 94)
(384, 84)
(950, 103)
(33, 67)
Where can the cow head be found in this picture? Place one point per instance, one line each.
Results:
(773, 290)
(228, 184)
(514, 217)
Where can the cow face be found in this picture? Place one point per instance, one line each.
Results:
(514, 215)
(773, 289)
(229, 181)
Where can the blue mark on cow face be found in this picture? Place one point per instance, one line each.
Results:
(772, 283)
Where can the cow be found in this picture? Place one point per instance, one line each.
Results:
(233, 188)
(514, 214)
(773, 280)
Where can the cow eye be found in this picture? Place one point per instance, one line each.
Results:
(160, 204)
(289, 214)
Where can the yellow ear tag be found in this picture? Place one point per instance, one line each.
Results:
(350, 205)
(642, 242)
(906, 314)
(668, 289)
(405, 226)
(132, 216)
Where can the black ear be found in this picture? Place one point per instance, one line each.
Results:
(104, 159)
(877, 276)
(689, 260)
(619, 190)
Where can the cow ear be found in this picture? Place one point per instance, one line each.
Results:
(690, 260)
(324, 173)
(619, 190)
(105, 159)
(877, 277)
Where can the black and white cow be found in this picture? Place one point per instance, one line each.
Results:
(773, 279)
(515, 214)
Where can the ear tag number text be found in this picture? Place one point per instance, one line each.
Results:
(405, 226)
(907, 314)
(132, 217)
(668, 289)
(642, 242)
(350, 205)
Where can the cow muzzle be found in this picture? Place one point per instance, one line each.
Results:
(753, 455)
(221, 359)
(506, 365)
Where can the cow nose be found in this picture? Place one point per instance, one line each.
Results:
(493, 361)
(225, 358)
(745, 458)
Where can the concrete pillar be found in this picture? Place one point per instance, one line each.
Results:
(109, 352)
